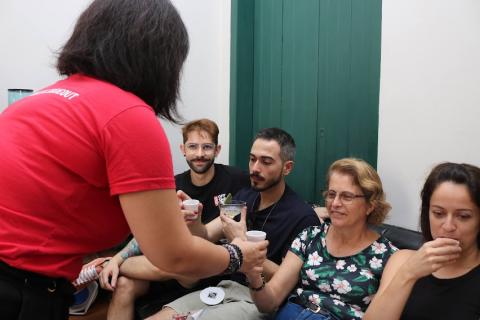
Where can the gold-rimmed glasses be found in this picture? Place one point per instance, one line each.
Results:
(345, 196)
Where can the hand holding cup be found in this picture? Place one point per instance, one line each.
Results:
(256, 235)
(432, 256)
(191, 206)
(254, 255)
(234, 229)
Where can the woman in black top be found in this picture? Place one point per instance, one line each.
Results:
(441, 279)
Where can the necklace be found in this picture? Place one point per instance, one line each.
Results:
(268, 215)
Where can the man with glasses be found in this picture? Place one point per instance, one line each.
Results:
(205, 181)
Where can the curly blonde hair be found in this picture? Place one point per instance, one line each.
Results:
(366, 177)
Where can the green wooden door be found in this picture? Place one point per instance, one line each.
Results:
(312, 68)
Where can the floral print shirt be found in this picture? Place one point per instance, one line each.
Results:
(342, 285)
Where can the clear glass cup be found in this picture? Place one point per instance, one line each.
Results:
(232, 209)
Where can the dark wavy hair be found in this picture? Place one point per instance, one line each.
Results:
(137, 45)
(459, 173)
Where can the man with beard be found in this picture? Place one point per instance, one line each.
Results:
(272, 207)
(206, 182)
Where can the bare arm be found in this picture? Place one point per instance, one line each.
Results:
(109, 274)
(321, 212)
(403, 269)
(282, 283)
(140, 268)
(269, 269)
(391, 296)
(211, 231)
(155, 220)
(236, 229)
(130, 250)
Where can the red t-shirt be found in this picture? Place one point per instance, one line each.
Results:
(66, 152)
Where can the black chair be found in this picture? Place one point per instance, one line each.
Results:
(400, 237)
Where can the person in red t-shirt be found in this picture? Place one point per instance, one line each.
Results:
(85, 160)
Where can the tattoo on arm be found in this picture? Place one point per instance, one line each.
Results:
(132, 249)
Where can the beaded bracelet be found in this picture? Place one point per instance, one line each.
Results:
(239, 254)
(261, 286)
(236, 257)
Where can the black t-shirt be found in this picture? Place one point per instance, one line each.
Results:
(226, 180)
(449, 299)
(282, 221)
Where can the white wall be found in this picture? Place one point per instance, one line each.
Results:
(430, 79)
(31, 31)
(429, 96)
(205, 90)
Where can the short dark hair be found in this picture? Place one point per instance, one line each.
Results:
(459, 173)
(284, 140)
(206, 125)
(137, 45)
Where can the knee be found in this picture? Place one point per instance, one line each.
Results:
(125, 289)
(125, 284)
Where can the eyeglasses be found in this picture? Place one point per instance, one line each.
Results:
(345, 197)
(206, 147)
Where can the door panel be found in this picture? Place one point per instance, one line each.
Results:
(300, 88)
(316, 66)
(267, 80)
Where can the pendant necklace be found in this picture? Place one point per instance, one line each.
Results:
(268, 215)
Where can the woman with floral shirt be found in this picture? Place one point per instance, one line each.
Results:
(335, 267)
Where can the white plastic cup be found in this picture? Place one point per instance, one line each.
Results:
(191, 205)
(255, 235)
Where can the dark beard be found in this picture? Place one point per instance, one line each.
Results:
(268, 186)
(203, 169)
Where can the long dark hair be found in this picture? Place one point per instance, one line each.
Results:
(459, 173)
(137, 45)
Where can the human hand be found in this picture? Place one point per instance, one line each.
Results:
(234, 229)
(321, 212)
(90, 272)
(254, 255)
(432, 256)
(193, 217)
(181, 196)
(109, 274)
